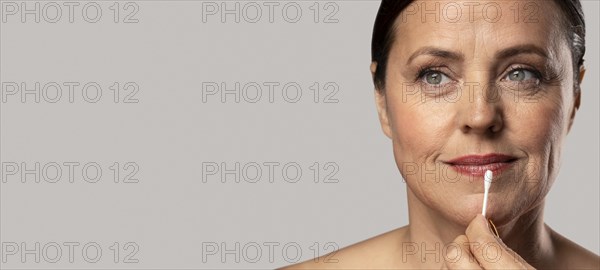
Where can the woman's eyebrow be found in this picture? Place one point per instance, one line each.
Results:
(457, 56)
(436, 52)
(521, 49)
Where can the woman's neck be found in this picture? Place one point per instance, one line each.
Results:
(430, 232)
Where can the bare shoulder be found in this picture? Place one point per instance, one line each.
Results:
(379, 252)
(573, 256)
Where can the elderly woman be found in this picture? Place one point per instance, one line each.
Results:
(463, 87)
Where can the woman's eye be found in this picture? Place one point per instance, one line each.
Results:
(519, 75)
(435, 78)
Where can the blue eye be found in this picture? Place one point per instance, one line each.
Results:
(435, 78)
(519, 75)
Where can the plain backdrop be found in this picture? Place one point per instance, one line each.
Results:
(315, 171)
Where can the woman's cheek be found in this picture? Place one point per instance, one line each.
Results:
(540, 134)
(411, 134)
(415, 142)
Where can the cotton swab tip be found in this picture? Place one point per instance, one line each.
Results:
(488, 176)
(487, 182)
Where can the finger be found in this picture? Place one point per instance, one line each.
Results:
(458, 255)
(489, 250)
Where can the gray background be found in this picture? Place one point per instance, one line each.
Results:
(170, 214)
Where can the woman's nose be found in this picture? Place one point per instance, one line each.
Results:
(480, 110)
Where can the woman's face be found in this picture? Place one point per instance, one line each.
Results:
(484, 78)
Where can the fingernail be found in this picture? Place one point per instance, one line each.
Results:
(492, 228)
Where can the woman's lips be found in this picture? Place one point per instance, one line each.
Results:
(476, 165)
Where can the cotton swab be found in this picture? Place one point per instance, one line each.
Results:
(487, 182)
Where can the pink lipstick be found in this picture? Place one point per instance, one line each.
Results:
(477, 165)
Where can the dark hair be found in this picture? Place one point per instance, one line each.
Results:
(389, 10)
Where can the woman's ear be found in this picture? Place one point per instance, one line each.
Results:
(380, 102)
(577, 100)
(581, 73)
